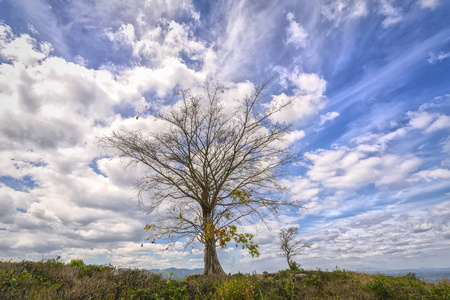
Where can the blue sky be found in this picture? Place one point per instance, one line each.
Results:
(371, 87)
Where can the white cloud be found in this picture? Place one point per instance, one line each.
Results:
(429, 122)
(426, 120)
(160, 80)
(295, 135)
(399, 237)
(392, 14)
(160, 43)
(342, 173)
(341, 10)
(333, 9)
(302, 188)
(296, 34)
(309, 98)
(345, 168)
(420, 120)
(86, 254)
(328, 117)
(57, 109)
(21, 49)
(32, 29)
(442, 122)
(79, 60)
(241, 34)
(359, 10)
(429, 3)
(150, 255)
(415, 228)
(434, 58)
(309, 83)
(125, 34)
(7, 210)
(430, 175)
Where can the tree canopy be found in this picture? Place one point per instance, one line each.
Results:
(209, 171)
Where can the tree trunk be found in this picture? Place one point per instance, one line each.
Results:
(211, 260)
(212, 264)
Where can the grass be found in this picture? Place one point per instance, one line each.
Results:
(51, 279)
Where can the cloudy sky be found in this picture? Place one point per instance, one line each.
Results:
(371, 81)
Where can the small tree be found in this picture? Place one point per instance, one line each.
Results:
(212, 170)
(290, 246)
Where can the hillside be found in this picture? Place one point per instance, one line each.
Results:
(50, 279)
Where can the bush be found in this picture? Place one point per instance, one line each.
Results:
(382, 287)
(294, 266)
(76, 263)
(236, 288)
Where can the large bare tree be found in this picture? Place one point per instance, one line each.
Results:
(210, 169)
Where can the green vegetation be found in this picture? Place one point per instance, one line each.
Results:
(51, 279)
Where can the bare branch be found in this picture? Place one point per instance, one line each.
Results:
(290, 246)
(203, 157)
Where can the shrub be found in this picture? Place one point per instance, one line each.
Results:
(382, 287)
(236, 288)
(76, 263)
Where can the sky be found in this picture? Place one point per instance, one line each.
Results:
(370, 81)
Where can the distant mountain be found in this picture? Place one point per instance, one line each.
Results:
(430, 275)
(368, 270)
(426, 274)
(177, 273)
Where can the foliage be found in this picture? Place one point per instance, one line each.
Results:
(294, 266)
(76, 263)
(50, 279)
(224, 235)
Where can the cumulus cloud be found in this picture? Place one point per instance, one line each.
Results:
(303, 188)
(19, 49)
(55, 181)
(429, 122)
(370, 160)
(51, 112)
(348, 168)
(125, 34)
(157, 44)
(81, 199)
(296, 34)
(7, 211)
(309, 97)
(394, 236)
(430, 175)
